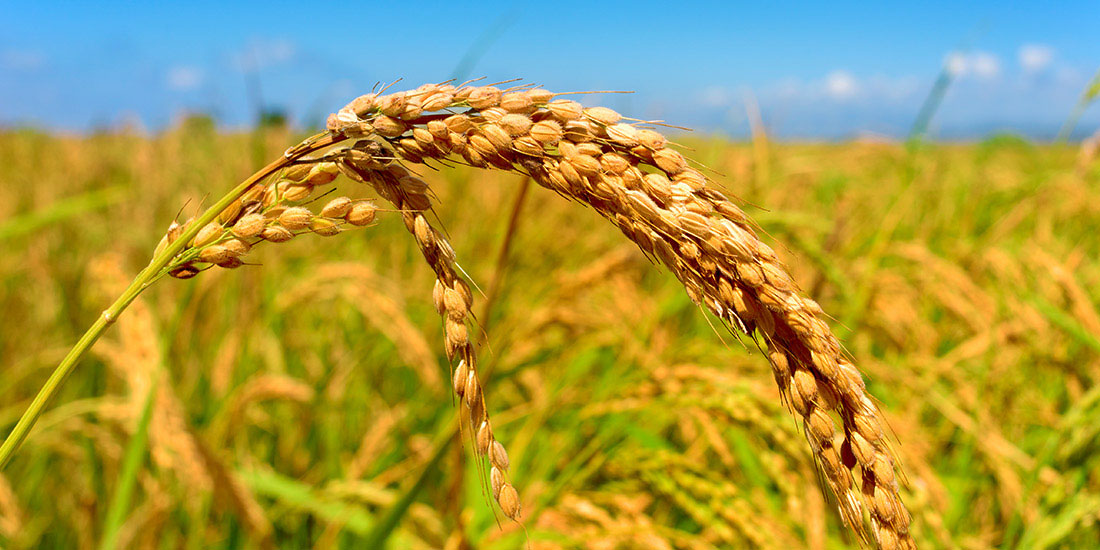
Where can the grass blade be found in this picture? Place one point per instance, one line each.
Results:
(381, 533)
(131, 466)
(59, 212)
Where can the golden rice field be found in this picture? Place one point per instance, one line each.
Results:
(306, 401)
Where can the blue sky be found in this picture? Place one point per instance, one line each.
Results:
(816, 71)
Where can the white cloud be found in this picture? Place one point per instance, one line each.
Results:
(715, 96)
(21, 60)
(955, 64)
(985, 65)
(1035, 58)
(263, 53)
(841, 85)
(183, 78)
(982, 65)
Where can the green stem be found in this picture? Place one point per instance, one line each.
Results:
(148, 276)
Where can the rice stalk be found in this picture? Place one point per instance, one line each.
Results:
(626, 172)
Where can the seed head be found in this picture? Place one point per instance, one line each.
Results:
(276, 234)
(482, 146)
(820, 426)
(862, 449)
(231, 262)
(623, 134)
(324, 227)
(297, 172)
(884, 470)
(484, 97)
(459, 378)
(528, 146)
(322, 173)
(517, 102)
(565, 109)
(472, 391)
(585, 165)
(509, 501)
(173, 233)
(363, 104)
(614, 163)
(652, 140)
(414, 106)
(459, 124)
(253, 194)
(453, 304)
(229, 215)
(603, 115)
(274, 212)
(438, 101)
(361, 213)
(184, 272)
(295, 193)
(670, 161)
(388, 126)
(498, 456)
(424, 138)
(515, 125)
(463, 289)
(463, 93)
(237, 247)
(423, 231)
(578, 131)
(337, 208)
(272, 194)
(493, 114)
(539, 96)
(456, 333)
(208, 234)
(497, 136)
(437, 297)
(547, 132)
(213, 254)
(296, 218)
(868, 427)
(392, 104)
(496, 481)
(589, 148)
(484, 438)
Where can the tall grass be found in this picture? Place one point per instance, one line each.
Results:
(305, 415)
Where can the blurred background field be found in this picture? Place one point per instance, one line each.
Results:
(925, 170)
(305, 402)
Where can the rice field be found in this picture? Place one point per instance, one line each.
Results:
(305, 401)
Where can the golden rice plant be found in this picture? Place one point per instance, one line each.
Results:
(623, 169)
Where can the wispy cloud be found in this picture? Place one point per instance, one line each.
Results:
(183, 78)
(844, 86)
(981, 65)
(1035, 58)
(841, 85)
(715, 96)
(265, 52)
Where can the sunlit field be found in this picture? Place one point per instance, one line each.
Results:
(305, 400)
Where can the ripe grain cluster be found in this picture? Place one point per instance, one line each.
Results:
(627, 172)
